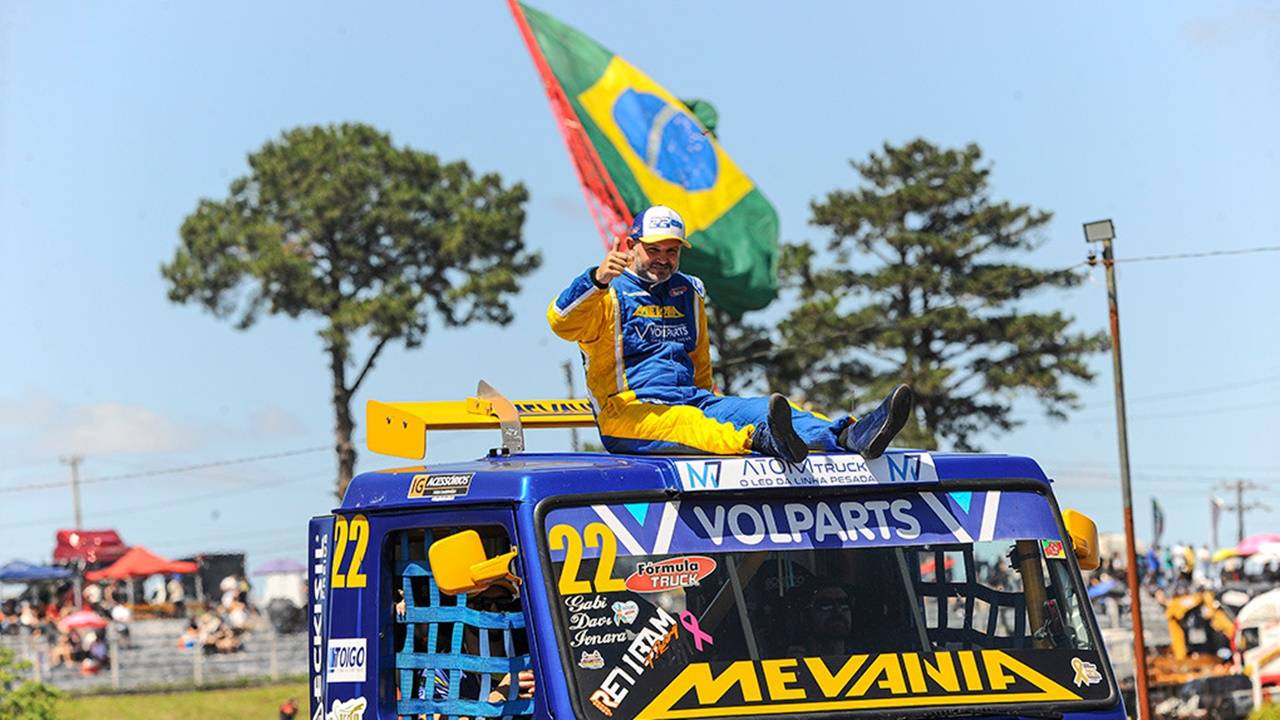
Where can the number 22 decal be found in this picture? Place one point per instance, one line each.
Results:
(564, 537)
(357, 531)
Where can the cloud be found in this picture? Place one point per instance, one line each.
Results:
(1229, 29)
(109, 427)
(276, 422)
(37, 424)
(567, 206)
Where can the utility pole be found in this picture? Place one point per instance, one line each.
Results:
(568, 380)
(1240, 506)
(74, 461)
(1104, 231)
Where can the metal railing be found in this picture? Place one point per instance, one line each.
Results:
(151, 657)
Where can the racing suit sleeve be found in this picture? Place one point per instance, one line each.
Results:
(577, 314)
(701, 355)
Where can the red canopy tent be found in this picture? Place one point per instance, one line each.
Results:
(139, 562)
(88, 546)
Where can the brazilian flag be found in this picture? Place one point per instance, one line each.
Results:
(657, 151)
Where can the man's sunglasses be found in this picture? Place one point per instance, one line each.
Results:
(828, 605)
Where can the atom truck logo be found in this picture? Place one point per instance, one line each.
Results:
(701, 475)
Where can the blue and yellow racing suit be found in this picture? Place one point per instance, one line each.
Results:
(648, 364)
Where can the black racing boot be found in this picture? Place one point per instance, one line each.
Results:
(776, 436)
(871, 433)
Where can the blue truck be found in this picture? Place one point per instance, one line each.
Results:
(615, 587)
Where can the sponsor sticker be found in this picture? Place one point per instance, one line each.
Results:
(678, 572)
(657, 311)
(1086, 673)
(445, 486)
(318, 575)
(347, 660)
(552, 408)
(648, 645)
(1053, 549)
(678, 290)
(625, 612)
(860, 682)
(746, 473)
(347, 709)
(589, 628)
(663, 333)
(591, 660)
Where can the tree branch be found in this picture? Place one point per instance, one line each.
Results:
(368, 364)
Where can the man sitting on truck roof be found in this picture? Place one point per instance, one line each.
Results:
(642, 329)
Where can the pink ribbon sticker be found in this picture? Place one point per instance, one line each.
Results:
(690, 623)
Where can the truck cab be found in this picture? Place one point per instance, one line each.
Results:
(618, 587)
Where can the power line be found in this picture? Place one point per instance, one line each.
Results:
(1158, 416)
(1149, 477)
(1180, 394)
(1207, 253)
(1207, 390)
(1240, 507)
(170, 503)
(1235, 467)
(764, 353)
(168, 471)
(773, 350)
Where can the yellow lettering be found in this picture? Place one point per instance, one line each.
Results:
(998, 662)
(915, 677)
(708, 696)
(944, 673)
(741, 674)
(831, 685)
(776, 679)
(886, 666)
(657, 311)
(972, 680)
(996, 674)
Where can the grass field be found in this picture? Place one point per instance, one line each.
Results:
(248, 703)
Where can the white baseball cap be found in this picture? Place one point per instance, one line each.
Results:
(656, 224)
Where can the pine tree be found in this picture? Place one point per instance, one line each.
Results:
(923, 287)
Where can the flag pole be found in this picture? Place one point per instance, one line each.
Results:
(608, 210)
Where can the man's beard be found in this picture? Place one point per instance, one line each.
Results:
(654, 273)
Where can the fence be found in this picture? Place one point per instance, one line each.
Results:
(151, 657)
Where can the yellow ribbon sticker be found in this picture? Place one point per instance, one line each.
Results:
(1086, 672)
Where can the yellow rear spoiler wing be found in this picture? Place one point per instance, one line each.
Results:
(400, 429)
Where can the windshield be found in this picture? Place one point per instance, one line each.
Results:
(705, 608)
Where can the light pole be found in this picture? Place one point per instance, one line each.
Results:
(1104, 231)
(74, 461)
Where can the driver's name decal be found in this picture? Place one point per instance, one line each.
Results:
(860, 682)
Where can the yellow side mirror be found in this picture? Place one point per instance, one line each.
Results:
(459, 564)
(1084, 538)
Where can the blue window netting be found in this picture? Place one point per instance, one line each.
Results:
(421, 670)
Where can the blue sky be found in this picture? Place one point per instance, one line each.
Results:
(115, 120)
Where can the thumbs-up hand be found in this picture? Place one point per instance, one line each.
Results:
(617, 260)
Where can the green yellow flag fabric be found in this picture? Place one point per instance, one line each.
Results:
(657, 151)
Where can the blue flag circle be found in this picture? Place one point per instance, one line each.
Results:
(668, 138)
